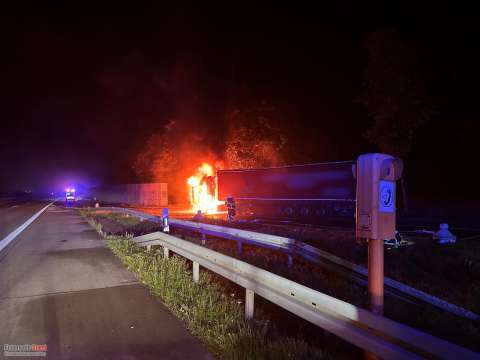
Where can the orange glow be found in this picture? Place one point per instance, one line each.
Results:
(203, 195)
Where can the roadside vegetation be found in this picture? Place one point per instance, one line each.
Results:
(122, 219)
(450, 272)
(207, 309)
(427, 318)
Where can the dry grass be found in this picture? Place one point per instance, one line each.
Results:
(209, 313)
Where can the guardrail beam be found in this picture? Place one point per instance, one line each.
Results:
(306, 251)
(374, 333)
(379, 335)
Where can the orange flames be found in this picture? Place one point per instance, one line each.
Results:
(203, 195)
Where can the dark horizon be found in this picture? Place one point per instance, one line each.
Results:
(84, 93)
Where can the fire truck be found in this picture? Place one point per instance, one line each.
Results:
(70, 195)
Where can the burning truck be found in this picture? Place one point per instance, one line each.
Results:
(322, 193)
(203, 190)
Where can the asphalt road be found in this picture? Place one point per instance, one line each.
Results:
(60, 286)
(15, 213)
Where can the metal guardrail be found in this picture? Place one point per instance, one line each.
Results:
(272, 241)
(389, 283)
(267, 240)
(376, 334)
(308, 252)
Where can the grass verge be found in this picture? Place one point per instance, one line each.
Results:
(217, 319)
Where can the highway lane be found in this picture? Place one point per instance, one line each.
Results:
(61, 286)
(15, 213)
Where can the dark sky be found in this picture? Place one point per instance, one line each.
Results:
(82, 93)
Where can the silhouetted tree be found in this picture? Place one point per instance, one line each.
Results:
(253, 139)
(156, 161)
(397, 91)
(173, 155)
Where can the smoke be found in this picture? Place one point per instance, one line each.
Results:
(206, 126)
(175, 154)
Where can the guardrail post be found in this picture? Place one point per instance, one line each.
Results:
(249, 303)
(149, 247)
(290, 260)
(239, 247)
(375, 275)
(166, 252)
(196, 271)
(204, 238)
(375, 334)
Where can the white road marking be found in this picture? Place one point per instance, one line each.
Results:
(7, 240)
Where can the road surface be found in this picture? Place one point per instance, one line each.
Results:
(14, 213)
(60, 286)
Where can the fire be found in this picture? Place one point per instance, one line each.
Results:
(203, 195)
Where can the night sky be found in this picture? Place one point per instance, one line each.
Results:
(82, 93)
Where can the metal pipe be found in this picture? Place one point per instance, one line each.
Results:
(375, 275)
